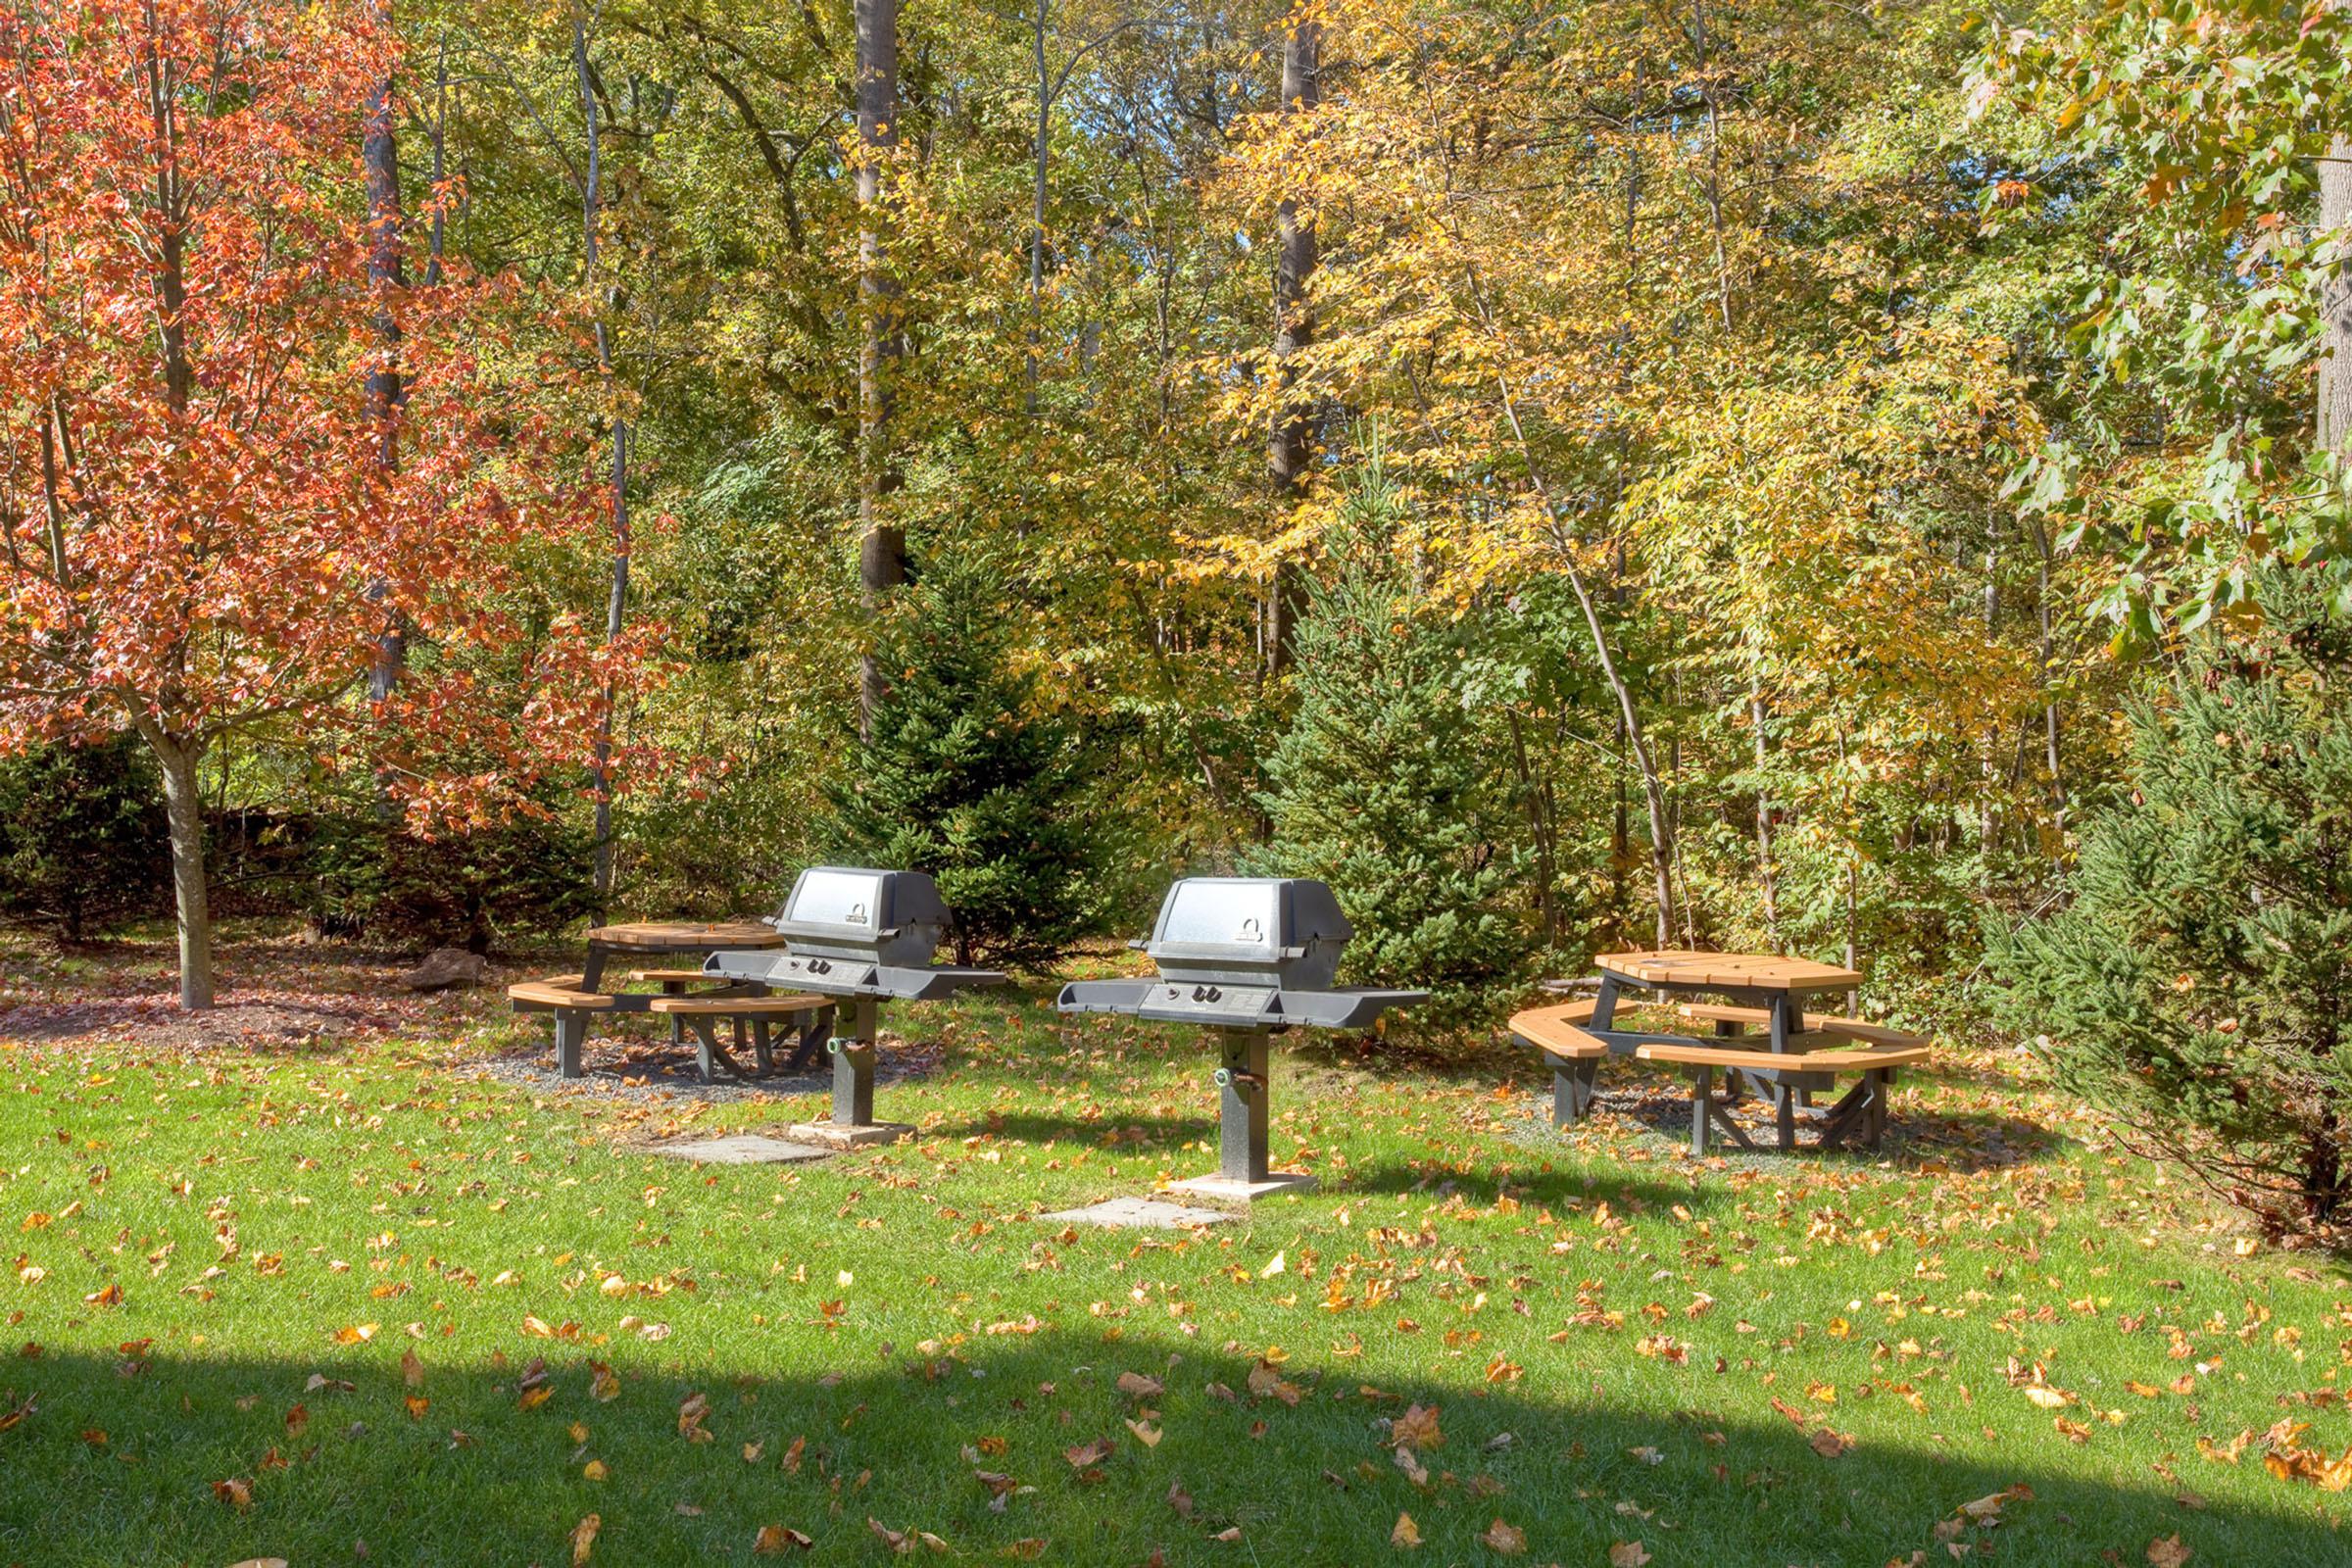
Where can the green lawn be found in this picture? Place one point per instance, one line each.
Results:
(1807, 1362)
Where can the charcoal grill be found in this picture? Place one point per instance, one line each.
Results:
(1251, 958)
(867, 935)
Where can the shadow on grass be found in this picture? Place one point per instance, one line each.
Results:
(118, 1459)
(1107, 1131)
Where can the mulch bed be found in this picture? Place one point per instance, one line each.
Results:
(244, 1020)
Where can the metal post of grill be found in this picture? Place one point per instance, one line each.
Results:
(853, 1065)
(1242, 1108)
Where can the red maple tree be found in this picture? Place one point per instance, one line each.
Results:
(198, 532)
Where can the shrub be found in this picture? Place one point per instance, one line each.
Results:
(2197, 986)
(962, 778)
(1388, 786)
(82, 842)
(365, 878)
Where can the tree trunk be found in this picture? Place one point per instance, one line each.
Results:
(2049, 704)
(440, 196)
(1706, 87)
(1291, 440)
(2335, 304)
(183, 810)
(616, 598)
(1037, 207)
(881, 542)
(380, 156)
(1764, 862)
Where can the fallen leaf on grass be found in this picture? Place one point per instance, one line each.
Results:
(1990, 1507)
(2165, 1551)
(236, 1492)
(1138, 1385)
(1504, 1540)
(1829, 1445)
(773, 1540)
(1028, 1550)
(1407, 1534)
(1179, 1500)
(1144, 1433)
(1628, 1554)
(1268, 1383)
(584, 1539)
(1417, 1428)
(1081, 1456)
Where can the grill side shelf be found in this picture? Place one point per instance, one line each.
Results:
(1345, 1009)
(1102, 996)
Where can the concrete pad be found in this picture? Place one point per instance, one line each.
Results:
(833, 1135)
(1235, 1193)
(1140, 1213)
(743, 1149)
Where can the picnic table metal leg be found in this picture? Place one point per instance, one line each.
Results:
(1730, 1029)
(763, 1051)
(816, 1027)
(677, 1036)
(1573, 1084)
(572, 1029)
(592, 970)
(1604, 1003)
(1702, 1085)
(1783, 1097)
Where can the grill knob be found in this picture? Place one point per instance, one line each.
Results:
(1214, 995)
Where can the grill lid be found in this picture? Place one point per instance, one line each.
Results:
(842, 911)
(1243, 953)
(857, 931)
(1285, 931)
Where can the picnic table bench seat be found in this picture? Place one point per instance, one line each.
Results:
(1828, 1047)
(1863, 1107)
(558, 991)
(735, 1006)
(1555, 1031)
(1829, 1023)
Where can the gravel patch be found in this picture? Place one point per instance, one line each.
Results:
(631, 1070)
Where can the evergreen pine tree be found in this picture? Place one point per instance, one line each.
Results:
(961, 776)
(2198, 986)
(1388, 784)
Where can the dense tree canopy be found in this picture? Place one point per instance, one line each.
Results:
(1804, 422)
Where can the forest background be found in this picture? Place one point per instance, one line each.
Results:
(1573, 475)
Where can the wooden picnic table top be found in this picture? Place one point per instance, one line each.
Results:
(685, 936)
(1719, 971)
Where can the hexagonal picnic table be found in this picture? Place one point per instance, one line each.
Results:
(572, 997)
(1765, 989)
